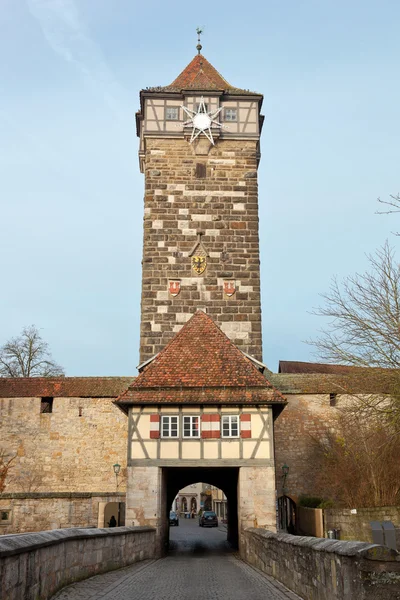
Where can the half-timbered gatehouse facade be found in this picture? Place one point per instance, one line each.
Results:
(201, 409)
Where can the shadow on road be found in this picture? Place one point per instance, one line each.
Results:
(191, 540)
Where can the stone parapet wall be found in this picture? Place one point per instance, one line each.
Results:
(223, 205)
(357, 525)
(42, 511)
(35, 566)
(317, 569)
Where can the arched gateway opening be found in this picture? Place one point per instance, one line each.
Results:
(225, 478)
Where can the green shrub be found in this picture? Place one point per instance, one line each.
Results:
(327, 504)
(310, 501)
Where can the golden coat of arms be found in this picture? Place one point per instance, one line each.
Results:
(199, 264)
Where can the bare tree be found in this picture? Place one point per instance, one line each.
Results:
(358, 463)
(5, 465)
(28, 480)
(28, 356)
(393, 206)
(364, 312)
(364, 331)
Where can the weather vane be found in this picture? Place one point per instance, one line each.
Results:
(199, 31)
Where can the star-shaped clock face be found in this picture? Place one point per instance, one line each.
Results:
(202, 121)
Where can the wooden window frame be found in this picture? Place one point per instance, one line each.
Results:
(46, 405)
(168, 117)
(168, 419)
(229, 119)
(191, 419)
(231, 419)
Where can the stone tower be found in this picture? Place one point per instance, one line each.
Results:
(199, 151)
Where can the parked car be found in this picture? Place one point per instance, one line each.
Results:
(173, 518)
(208, 519)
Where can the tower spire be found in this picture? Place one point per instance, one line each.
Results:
(199, 31)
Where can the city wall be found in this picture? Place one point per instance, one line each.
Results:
(35, 566)
(304, 420)
(72, 448)
(319, 569)
(357, 526)
(42, 511)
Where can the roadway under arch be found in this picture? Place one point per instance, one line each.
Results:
(225, 478)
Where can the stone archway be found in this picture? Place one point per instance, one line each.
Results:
(111, 509)
(225, 478)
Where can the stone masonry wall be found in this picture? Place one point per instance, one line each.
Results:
(62, 451)
(34, 566)
(317, 569)
(256, 499)
(358, 526)
(224, 207)
(304, 420)
(43, 511)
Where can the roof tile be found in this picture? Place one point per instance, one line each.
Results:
(200, 75)
(63, 387)
(293, 366)
(361, 380)
(200, 364)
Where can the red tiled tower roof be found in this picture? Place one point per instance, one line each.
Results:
(200, 365)
(200, 75)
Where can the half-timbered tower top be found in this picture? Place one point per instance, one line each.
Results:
(161, 110)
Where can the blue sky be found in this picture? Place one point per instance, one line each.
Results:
(71, 193)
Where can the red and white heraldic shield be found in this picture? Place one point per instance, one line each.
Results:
(229, 287)
(174, 287)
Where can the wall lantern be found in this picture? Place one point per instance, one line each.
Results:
(117, 469)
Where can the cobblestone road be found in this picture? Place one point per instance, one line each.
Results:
(200, 566)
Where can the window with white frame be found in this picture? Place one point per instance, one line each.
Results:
(172, 113)
(230, 426)
(169, 426)
(230, 114)
(191, 426)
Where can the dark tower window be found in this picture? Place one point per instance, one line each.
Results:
(46, 405)
(201, 170)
